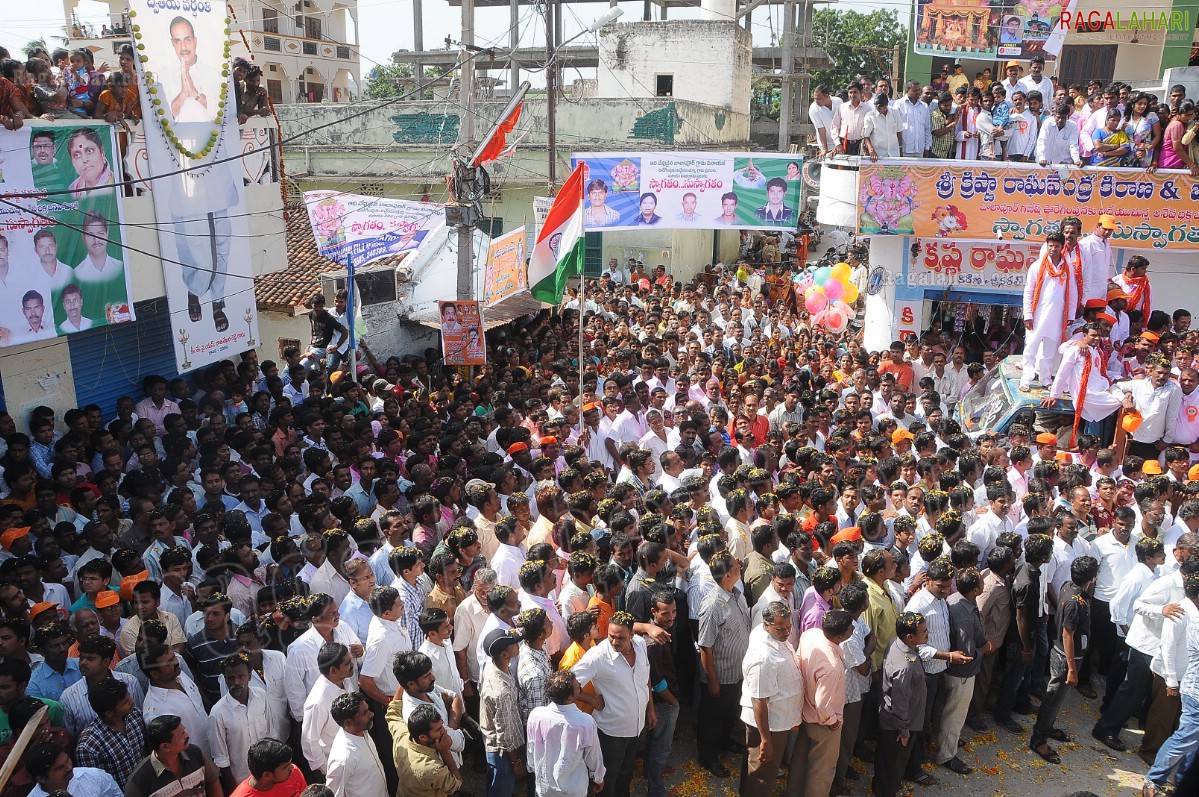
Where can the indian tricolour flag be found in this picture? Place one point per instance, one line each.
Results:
(558, 252)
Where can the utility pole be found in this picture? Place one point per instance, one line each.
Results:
(551, 90)
(787, 98)
(464, 176)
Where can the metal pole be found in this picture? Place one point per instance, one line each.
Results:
(551, 89)
(462, 169)
(513, 43)
(788, 95)
(350, 317)
(418, 44)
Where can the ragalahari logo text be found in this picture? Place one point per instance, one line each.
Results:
(1098, 21)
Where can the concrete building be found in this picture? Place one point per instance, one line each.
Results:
(307, 49)
(102, 364)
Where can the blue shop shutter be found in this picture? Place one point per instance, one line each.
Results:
(110, 362)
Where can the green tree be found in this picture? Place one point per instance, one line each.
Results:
(858, 44)
(388, 81)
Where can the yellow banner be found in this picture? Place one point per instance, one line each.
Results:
(1025, 202)
(506, 272)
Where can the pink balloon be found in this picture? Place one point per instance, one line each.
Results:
(815, 300)
(833, 289)
(835, 320)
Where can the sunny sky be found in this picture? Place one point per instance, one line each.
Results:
(385, 24)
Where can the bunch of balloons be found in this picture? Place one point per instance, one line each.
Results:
(828, 294)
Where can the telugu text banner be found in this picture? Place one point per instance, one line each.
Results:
(691, 190)
(1025, 202)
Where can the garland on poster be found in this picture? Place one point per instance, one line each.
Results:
(462, 340)
(988, 29)
(1019, 202)
(367, 228)
(62, 266)
(691, 190)
(198, 184)
(506, 273)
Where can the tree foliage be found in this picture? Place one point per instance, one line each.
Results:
(859, 44)
(387, 81)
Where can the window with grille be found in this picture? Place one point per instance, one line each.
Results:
(372, 189)
(270, 20)
(271, 43)
(285, 342)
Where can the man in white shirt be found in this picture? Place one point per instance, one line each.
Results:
(619, 668)
(385, 638)
(354, 768)
(172, 692)
(1186, 428)
(849, 120)
(318, 730)
(1036, 80)
(563, 743)
(1096, 254)
(1023, 128)
(822, 113)
(240, 718)
(1058, 141)
(1011, 82)
(917, 122)
(1157, 398)
(882, 130)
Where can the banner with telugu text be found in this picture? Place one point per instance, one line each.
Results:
(1025, 202)
(62, 263)
(368, 228)
(691, 190)
(506, 274)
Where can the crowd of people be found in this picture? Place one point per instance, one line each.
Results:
(1023, 118)
(68, 84)
(282, 576)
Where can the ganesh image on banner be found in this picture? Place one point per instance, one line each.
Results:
(328, 219)
(888, 202)
(957, 27)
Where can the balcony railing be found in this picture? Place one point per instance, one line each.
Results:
(299, 45)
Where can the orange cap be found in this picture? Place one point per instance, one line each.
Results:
(901, 434)
(549, 441)
(1046, 439)
(129, 582)
(109, 598)
(515, 447)
(1063, 456)
(1152, 468)
(851, 534)
(12, 535)
(1107, 221)
(1152, 337)
(1116, 293)
(38, 608)
(1193, 473)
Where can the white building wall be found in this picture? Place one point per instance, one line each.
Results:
(709, 61)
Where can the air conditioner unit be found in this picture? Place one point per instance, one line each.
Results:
(375, 285)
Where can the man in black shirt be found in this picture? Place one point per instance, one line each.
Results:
(1073, 629)
(174, 763)
(321, 347)
(1028, 611)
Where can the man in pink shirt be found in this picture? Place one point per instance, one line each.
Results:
(823, 668)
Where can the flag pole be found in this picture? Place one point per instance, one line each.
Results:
(582, 309)
(350, 317)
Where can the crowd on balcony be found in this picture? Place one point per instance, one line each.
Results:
(1032, 118)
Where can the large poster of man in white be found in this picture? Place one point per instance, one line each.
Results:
(191, 127)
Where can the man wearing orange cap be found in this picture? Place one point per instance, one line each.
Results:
(1097, 258)
(1186, 430)
(1117, 303)
(15, 542)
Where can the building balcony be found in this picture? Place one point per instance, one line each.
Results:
(299, 46)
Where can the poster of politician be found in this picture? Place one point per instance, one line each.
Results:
(462, 333)
(62, 265)
(199, 197)
(987, 29)
(691, 190)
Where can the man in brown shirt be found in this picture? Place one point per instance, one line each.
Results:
(447, 592)
(995, 607)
